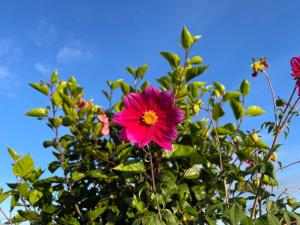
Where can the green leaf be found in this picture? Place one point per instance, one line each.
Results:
(34, 196)
(217, 111)
(13, 154)
(247, 221)
(234, 215)
(125, 88)
(194, 72)
(186, 38)
(69, 221)
(193, 89)
(220, 87)
(231, 95)
(54, 77)
(237, 108)
(273, 219)
(196, 60)
(192, 173)
(140, 72)
(173, 59)
(77, 176)
(138, 205)
(183, 150)
(270, 171)
(131, 70)
(210, 221)
(254, 111)
(23, 166)
(136, 167)
(23, 188)
(245, 87)
(38, 112)
(286, 218)
(199, 192)
(116, 84)
(40, 87)
(165, 81)
(4, 196)
(94, 214)
(56, 99)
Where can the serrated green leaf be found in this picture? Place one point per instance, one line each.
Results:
(231, 95)
(237, 108)
(38, 112)
(54, 77)
(172, 58)
(194, 72)
(217, 111)
(40, 87)
(23, 166)
(220, 87)
(34, 196)
(196, 60)
(183, 150)
(254, 111)
(136, 167)
(13, 154)
(245, 87)
(186, 38)
(192, 173)
(140, 72)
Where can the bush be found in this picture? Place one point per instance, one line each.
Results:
(118, 166)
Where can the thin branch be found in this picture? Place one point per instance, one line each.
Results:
(153, 183)
(273, 94)
(288, 165)
(6, 217)
(220, 156)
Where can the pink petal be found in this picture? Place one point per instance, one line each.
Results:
(135, 102)
(123, 136)
(139, 134)
(151, 98)
(105, 130)
(126, 117)
(166, 99)
(176, 115)
(164, 135)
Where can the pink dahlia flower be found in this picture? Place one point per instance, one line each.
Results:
(149, 116)
(105, 123)
(295, 63)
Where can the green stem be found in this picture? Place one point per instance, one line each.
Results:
(153, 183)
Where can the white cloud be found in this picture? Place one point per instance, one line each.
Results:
(4, 72)
(43, 69)
(8, 81)
(69, 54)
(44, 33)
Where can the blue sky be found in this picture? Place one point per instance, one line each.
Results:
(96, 40)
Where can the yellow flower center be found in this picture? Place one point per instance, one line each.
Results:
(149, 118)
(258, 66)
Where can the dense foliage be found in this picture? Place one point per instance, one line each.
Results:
(214, 172)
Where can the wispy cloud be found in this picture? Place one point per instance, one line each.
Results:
(9, 50)
(42, 68)
(68, 54)
(44, 33)
(8, 81)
